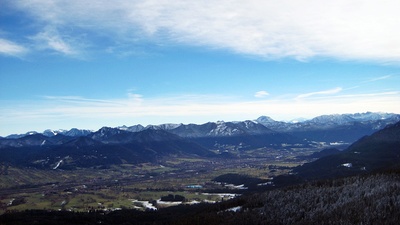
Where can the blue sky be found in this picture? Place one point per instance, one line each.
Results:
(81, 64)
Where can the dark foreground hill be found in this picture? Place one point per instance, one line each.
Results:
(380, 151)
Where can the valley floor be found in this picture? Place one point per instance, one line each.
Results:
(129, 186)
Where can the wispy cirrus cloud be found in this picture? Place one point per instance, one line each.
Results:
(344, 29)
(50, 39)
(11, 48)
(78, 100)
(325, 92)
(261, 94)
(378, 78)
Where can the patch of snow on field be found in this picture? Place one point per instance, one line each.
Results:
(234, 209)
(348, 165)
(224, 195)
(145, 204)
(168, 203)
(240, 187)
(58, 164)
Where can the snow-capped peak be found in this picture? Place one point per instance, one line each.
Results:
(265, 119)
(367, 116)
(51, 133)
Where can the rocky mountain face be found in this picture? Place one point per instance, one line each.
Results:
(221, 129)
(74, 132)
(376, 121)
(341, 128)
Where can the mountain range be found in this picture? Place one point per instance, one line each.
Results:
(83, 148)
(328, 128)
(337, 128)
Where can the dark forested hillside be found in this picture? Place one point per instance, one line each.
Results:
(107, 148)
(379, 151)
(371, 199)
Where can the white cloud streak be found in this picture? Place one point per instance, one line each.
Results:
(378, 78)
(302, 29)
(261, 94)
(11, 49)
(325, 92)
(50, 39)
